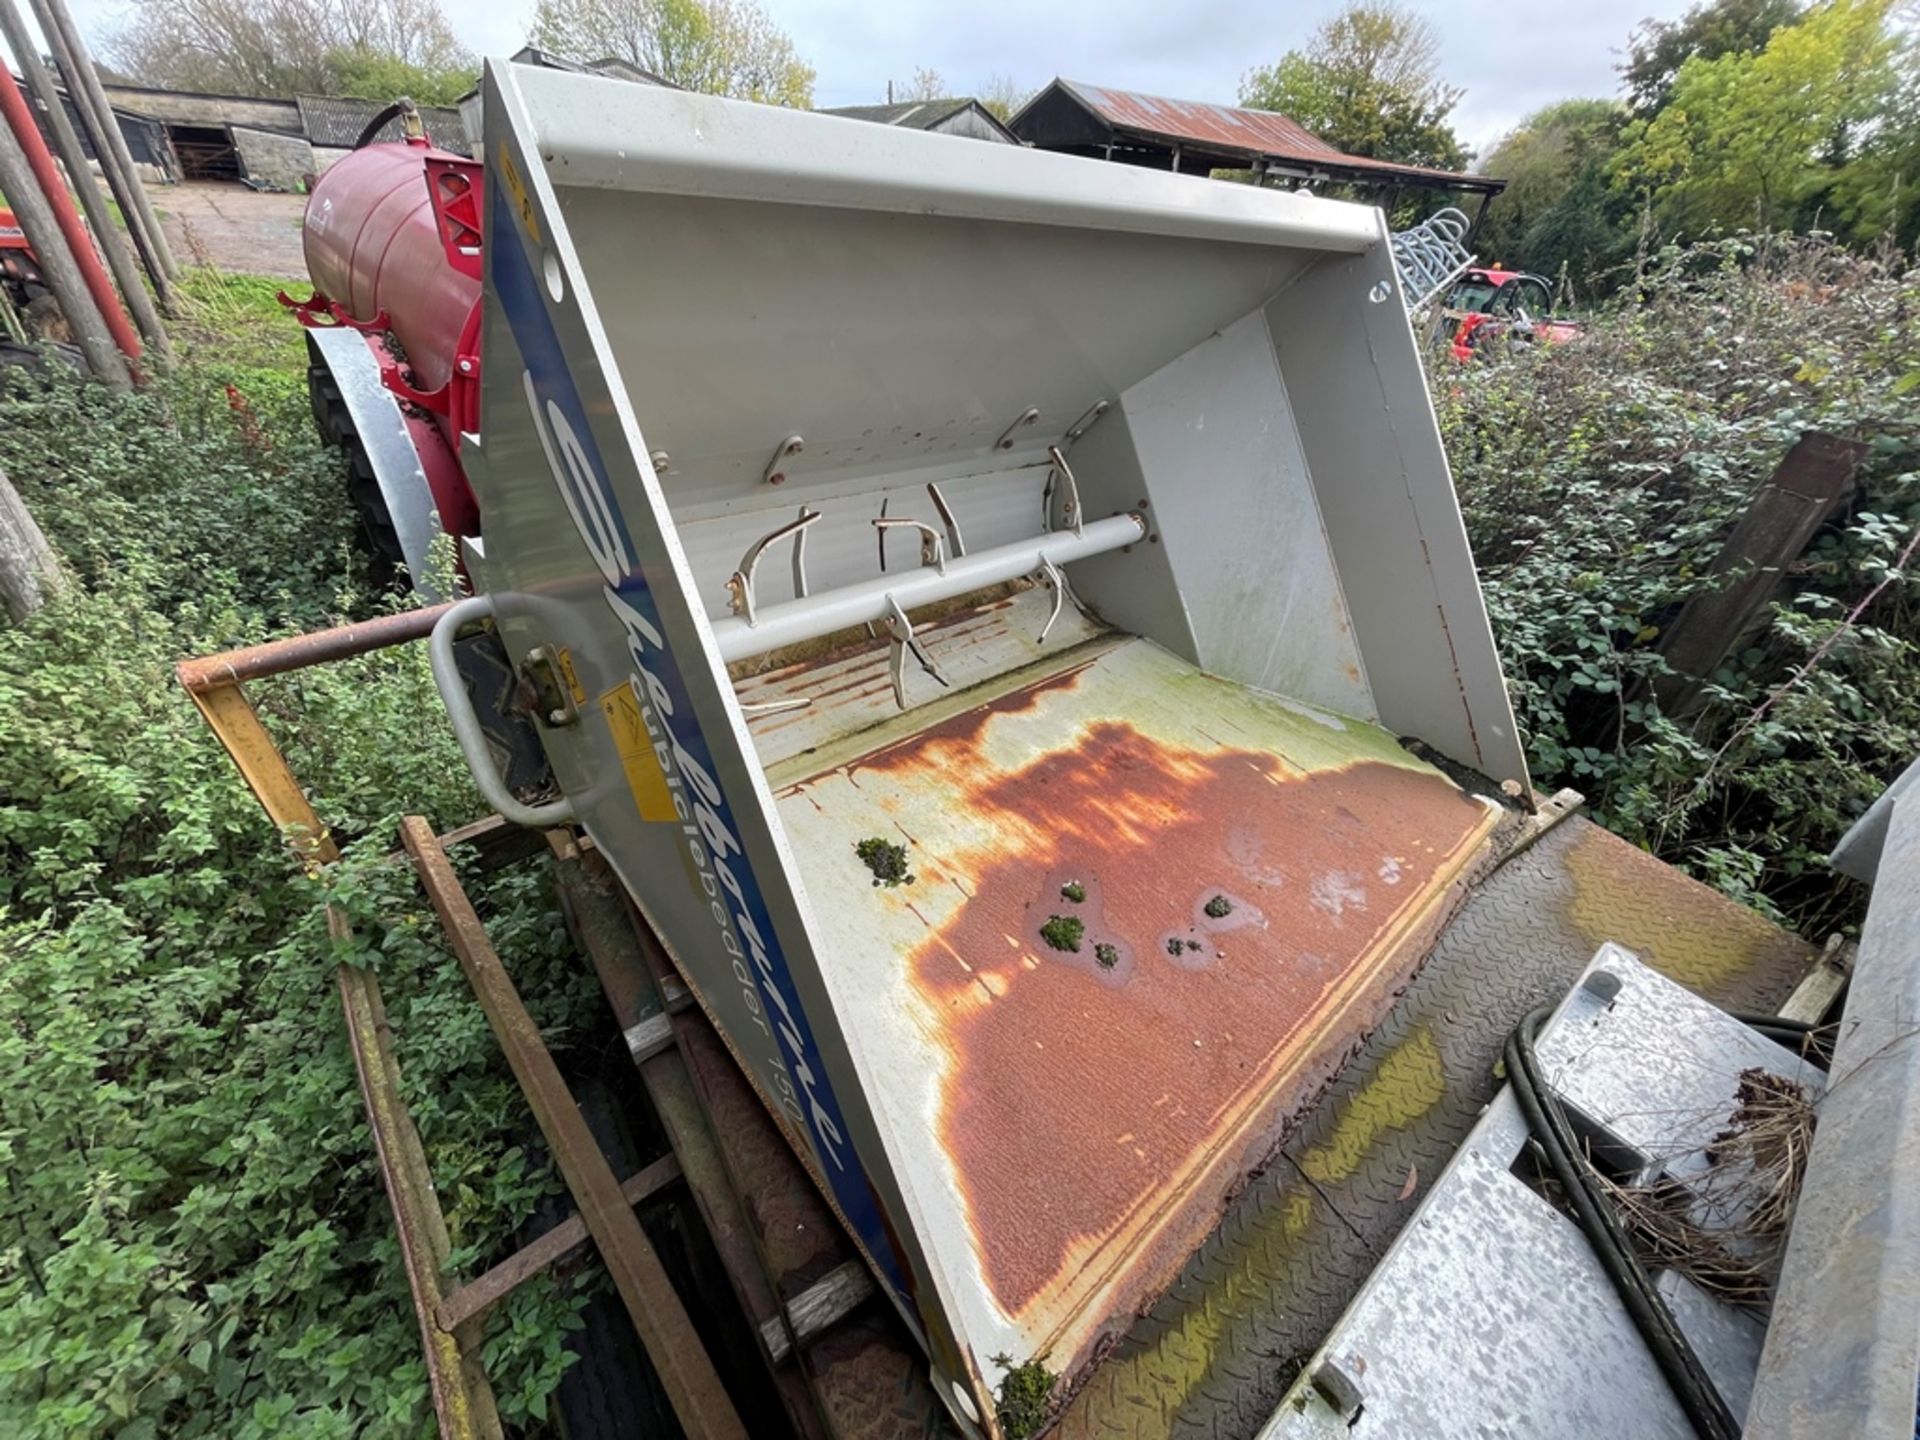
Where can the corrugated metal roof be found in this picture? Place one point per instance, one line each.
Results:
(912, 114)
(337, 121)
(1226, 127)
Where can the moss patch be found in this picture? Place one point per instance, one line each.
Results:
(1219, 907)
(887, 861)
(1073, 890)
(1021, 1405)
(1063, 932)
(1107, 955)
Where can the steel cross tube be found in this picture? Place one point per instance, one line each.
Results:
(872, 601)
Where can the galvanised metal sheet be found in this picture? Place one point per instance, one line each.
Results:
(1257, 880)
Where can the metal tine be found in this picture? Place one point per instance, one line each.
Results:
(881, 533)
(807, 517)
(740, 587)
(900, 634)
(773, 707)
(954, 541)
(933, 550)
(1051, 577)
(1076, 521)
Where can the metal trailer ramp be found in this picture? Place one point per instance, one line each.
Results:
(1492, 1315)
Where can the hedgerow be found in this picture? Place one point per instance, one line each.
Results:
(195, 1240)
(1599, 480)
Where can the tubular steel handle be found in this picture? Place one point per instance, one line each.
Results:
(466, 724)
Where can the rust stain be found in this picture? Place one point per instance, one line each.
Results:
(1079, 1095)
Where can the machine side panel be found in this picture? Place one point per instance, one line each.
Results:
(659, 766)
(1386, 496)
(1248, 548)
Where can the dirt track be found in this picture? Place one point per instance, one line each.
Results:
(232, 227)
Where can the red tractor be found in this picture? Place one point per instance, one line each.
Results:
(26, 288)
(1489, 307)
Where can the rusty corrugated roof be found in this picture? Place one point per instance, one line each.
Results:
(1230, 128)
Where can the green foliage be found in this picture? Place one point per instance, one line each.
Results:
(1021, 1405)
(1658, 48)
(1064, 932)
(286, 47)
(717, 47)
(1558, 213)
(886, 860)
(1599, 481)
(1749, 138)
(1367, 83)
(374, 75)
(196, 1240)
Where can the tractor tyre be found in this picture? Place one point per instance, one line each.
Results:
(379, 541)
(610, 1391)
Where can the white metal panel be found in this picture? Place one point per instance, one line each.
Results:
(609, 134)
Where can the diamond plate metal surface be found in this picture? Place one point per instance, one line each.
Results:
(1214, 1356)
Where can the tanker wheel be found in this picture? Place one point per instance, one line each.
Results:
(611, 1391)
(379, 541)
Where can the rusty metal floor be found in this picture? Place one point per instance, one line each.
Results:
(1214, 1356)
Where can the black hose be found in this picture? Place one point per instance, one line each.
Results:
(1811, 1039)
(380, 122)
(1671, 1350)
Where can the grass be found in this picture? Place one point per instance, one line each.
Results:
(238, 320)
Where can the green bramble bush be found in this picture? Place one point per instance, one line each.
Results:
(195, 1241)
(1599, 479)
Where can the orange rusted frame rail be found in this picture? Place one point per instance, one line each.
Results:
(297, 652)
(451, 1322)
(699, 1400)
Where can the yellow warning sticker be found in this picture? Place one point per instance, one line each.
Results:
(637, 758)
(516, 187)
(563, 661)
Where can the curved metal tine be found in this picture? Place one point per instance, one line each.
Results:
(880, 535)
(900, 634)
(1075, 520)
(740, 587)
(933, 550)
(807, 517)
(1050, 576)
(773, 707)
(954, 541)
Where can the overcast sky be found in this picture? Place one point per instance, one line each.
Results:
(1510, 57)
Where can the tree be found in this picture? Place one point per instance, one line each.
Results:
(283, 47)
(1558, 210)
(1746, 139)
(925, 85)
(369, 75)
(1658, 48)
(29, 571)
(1367, 83)
(1002, 98)
(718, 47)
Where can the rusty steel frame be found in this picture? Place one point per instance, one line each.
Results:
(451, 1320)
(685, 1370)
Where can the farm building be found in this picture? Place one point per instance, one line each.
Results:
(1197, 138)
(956, 115)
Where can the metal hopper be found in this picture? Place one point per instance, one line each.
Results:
(1082, 531)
